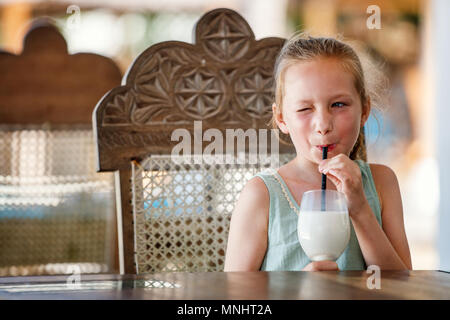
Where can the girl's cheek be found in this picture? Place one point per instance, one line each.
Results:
(349, 127)
(301, 119)
(300, 126)
(347, 120)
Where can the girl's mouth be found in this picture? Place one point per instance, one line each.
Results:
(330, 147)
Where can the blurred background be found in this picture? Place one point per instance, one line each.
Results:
(407, 46)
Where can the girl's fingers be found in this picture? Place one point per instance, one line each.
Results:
(340, 175)
(321, 266)
(339, 165)
(332, 178)
(337, 162)
(329, 166)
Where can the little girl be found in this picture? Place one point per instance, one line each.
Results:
(321, 99)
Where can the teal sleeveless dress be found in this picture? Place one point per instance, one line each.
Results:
(284, 252)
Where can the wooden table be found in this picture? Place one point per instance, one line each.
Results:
(232, 285)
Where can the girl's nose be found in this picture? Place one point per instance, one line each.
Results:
(323, 122)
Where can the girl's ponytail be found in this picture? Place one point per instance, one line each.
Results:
(359, 150)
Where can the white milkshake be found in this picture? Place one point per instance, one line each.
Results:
(323, 235)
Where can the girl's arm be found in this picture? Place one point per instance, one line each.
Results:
(247, 238)
(386, 247)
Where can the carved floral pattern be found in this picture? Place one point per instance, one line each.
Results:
(176, 83)
(119, 109)
(224, 78)
(199, 93)
(254, 93)
(226, 37)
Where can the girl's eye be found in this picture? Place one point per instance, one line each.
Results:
(339, 104)
(304, 109)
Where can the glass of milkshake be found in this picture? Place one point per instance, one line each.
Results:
(323, 224)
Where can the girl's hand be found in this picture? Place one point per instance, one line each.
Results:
(346, 176)
(326, 265)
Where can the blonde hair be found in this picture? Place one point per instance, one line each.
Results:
(304, 47)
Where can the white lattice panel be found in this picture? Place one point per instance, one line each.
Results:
(182, 212)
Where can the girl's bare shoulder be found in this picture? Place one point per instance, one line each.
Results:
(254, 194)
(257, 186)
(382, 173)
(385, 180)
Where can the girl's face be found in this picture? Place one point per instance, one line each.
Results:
(321, 107)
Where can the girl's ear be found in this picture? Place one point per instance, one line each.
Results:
(366, 112)
(279, 119)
